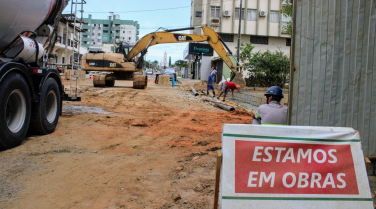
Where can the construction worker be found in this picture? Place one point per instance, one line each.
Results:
(229, 85)
(215, 71)
(271, 113)
(210, 83)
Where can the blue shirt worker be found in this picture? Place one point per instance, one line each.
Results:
(210, 84)
(272, 113)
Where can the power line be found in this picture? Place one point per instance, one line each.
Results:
(149, 10)
(163, 9)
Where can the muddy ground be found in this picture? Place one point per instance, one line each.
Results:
(120, 148)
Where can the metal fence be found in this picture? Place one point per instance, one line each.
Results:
(333, 71)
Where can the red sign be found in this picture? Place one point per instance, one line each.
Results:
(292, 168)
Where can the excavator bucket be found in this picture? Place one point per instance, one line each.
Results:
(238, 79)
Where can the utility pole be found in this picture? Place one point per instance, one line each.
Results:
(239, 32)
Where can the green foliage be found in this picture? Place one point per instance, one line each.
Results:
(287, 12)
(153, 65)
(147, 64)
(169, 61)
(181, 63)
(265, 68)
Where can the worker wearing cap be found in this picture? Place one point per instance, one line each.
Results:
(272, 113)
(222, 87)
(229, 85)
(210, 83)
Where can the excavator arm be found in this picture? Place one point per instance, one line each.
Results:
(167, 36)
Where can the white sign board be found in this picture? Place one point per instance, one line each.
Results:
(293, 167)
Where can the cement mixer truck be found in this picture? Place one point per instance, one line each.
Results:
(30, 95)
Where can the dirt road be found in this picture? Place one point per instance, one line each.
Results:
(120, 148)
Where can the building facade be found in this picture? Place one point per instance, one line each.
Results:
(164, 64)
(261, 23)
(106, 31)
(67, 43)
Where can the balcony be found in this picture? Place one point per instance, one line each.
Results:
(86, 27)
(59, 39)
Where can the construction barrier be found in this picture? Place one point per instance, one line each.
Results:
(164, 80)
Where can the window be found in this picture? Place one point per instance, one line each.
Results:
(288, 41)
(123, 31)
(251, 14)
(93, 43)
(274, 16)
(237, 13)
(216, 21)
(259, 40)
(99, 34)
(285, 20)
(105, 25)
(215, 11)
(99, 40)
(129, 32)
(92, 34)
(227, 37)
(105, 31)
(198, 14)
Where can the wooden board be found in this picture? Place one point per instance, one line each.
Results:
(217, 178)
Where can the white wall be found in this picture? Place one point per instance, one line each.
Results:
(129, 32)
(205, 67)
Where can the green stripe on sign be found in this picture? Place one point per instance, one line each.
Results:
(293, 139)
(297, 198)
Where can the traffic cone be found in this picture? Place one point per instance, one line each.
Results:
(91, 77)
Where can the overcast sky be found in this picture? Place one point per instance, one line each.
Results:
(150, 14)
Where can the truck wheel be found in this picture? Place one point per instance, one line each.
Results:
(15, 110)
(46, 112)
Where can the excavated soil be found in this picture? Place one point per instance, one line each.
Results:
(121, 148)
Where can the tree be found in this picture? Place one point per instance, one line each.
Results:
(154, 64)
(265, 68)
(169, 61)
(147, 64)
(287, 12)
(181, 63)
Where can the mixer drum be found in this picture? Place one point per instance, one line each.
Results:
(21, 15)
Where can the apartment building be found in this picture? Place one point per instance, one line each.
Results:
(67, 43)
(261, 24)
(106, 31)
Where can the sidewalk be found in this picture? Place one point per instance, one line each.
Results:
(246, 98)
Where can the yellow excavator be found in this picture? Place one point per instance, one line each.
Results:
(127, 66)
